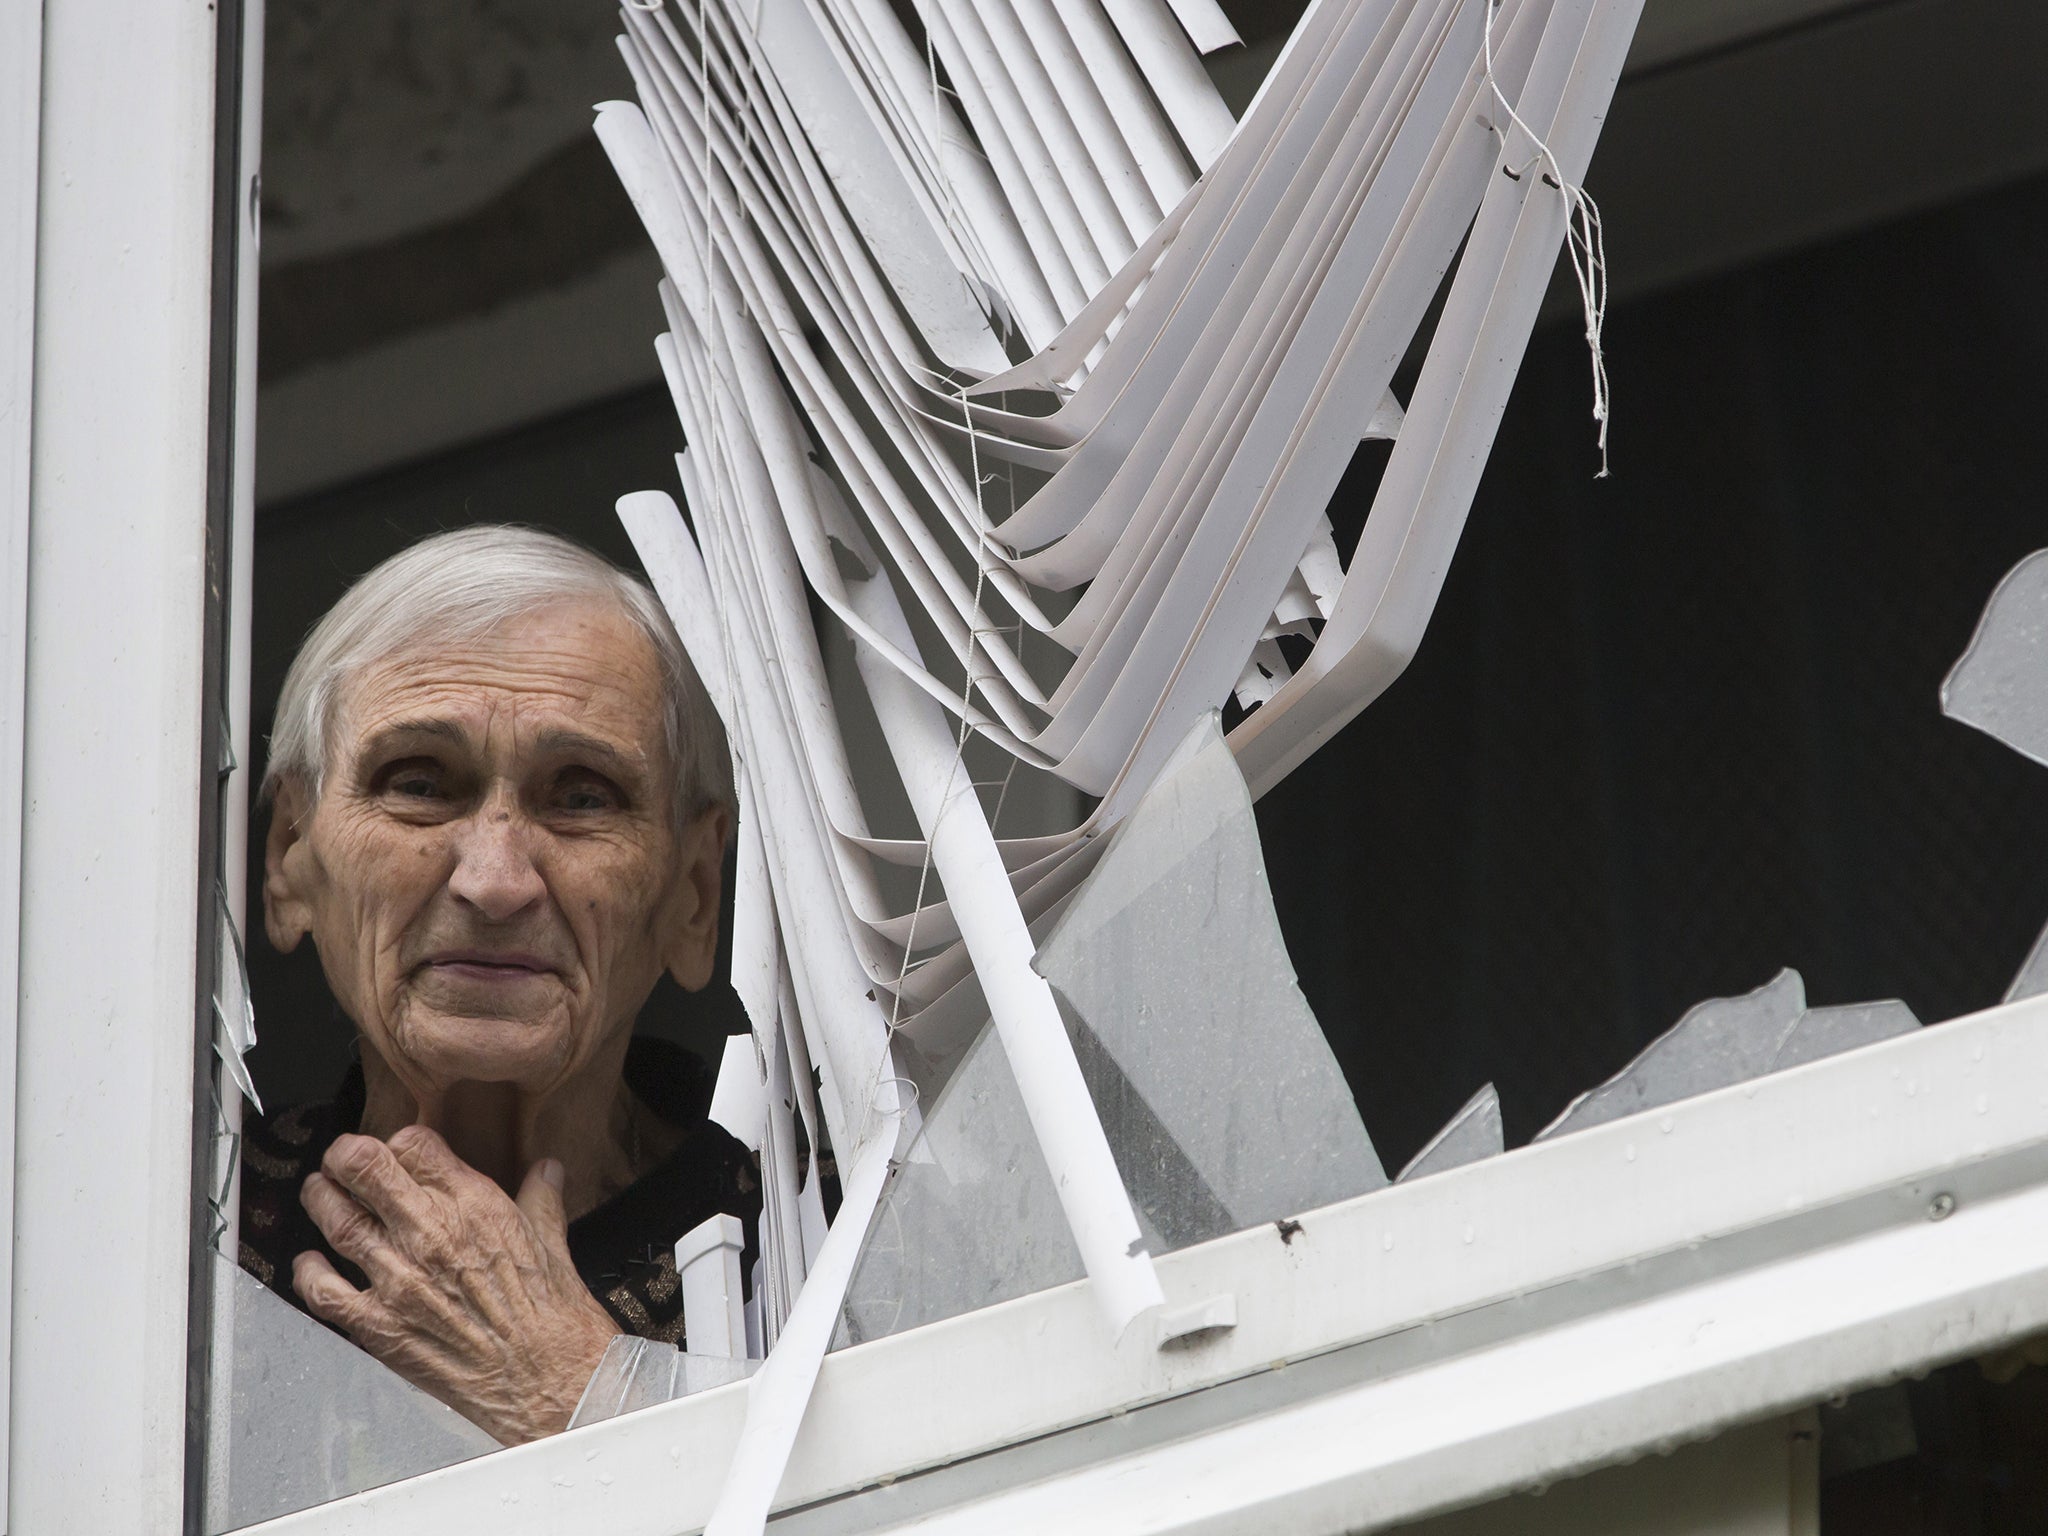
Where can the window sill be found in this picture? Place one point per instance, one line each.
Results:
(1558, 1308)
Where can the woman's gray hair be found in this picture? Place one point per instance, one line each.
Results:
(457, 588)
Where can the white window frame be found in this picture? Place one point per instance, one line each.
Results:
(112, 766)
(1561, 1307)
(21, 28)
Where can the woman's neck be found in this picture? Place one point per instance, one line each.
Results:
(592, 1124)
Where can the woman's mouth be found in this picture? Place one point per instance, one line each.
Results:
(488, 966)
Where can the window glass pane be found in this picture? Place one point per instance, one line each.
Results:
(305, 1416)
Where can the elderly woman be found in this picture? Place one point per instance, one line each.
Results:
(500, 808)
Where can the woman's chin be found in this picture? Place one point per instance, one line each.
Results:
(452, 1048)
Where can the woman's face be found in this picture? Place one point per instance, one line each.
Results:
(491, 874)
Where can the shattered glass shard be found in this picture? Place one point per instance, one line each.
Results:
(234, 1012)
(1221, 1099)
(1474, 1132)
(1728, 1040)
(1218, 1091)
(308, 1417)
(970, 1216)
(1721, 1041)
(2000, 685)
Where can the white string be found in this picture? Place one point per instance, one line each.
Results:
(1584, 242)
(924, 872)
(727, 603)
(976, 621)
(977, 627)
(995, 820)
(900, 1083)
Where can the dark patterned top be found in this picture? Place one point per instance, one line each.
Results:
(624, 1249)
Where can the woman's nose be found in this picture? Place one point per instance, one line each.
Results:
(494, 868)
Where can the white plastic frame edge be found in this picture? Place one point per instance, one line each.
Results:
(21, 55)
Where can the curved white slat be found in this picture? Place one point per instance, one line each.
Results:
(1194, 362)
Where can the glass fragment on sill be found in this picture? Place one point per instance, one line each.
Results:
(1473, 1133)
(1729, 1040)
(234, 1011)
(2000, 684)
(307, 1417)
(1221, 1099)
(1721, 1041)
(639, 1373)
(1823, 1032)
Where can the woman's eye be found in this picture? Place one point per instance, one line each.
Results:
(584, 795)
(413, 781)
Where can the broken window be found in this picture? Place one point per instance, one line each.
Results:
(1026, 410)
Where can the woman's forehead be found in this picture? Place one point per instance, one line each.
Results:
(587, 670)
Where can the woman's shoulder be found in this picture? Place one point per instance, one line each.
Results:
(279, 1149)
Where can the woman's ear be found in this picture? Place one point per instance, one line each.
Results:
(693, 933)
(287, 916)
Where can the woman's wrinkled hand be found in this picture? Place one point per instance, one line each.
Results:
(473, 1296)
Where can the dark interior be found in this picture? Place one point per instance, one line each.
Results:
(1669, 731)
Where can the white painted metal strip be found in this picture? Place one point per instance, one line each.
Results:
(1174, 71)
(1205, 24)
